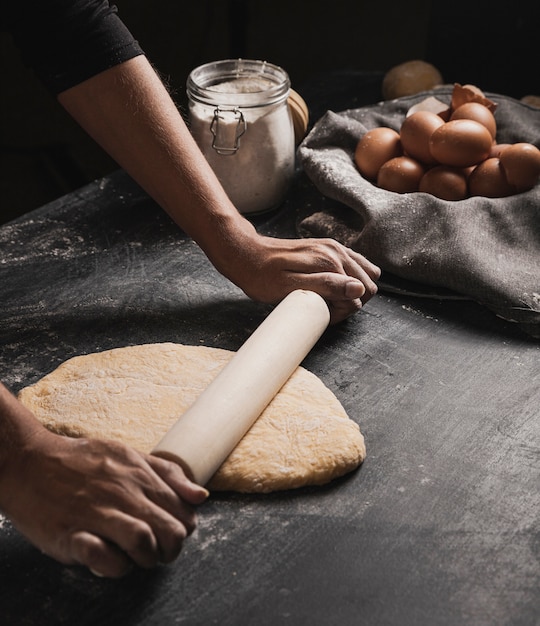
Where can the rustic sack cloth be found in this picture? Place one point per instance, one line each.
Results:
(484, 249)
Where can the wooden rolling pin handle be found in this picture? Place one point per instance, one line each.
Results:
(210, 429)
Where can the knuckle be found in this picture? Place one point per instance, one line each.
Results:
(172, 545)
(372, 288)
(141, 537)
(190, 523)
(87, 551)
(178, 535)
(328, 259)
(331, 282)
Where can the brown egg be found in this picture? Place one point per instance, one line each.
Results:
(415, 132)
(521, 164)
(375, 148)
(497, 148)
(488, 179)
(401, 174)
(479, 113)
(445, 182)
(460, 143)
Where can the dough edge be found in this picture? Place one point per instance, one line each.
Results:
(330, 443)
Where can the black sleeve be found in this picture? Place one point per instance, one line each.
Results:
(67, 41)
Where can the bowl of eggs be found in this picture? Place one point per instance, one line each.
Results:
(439, 188)
(449, 150)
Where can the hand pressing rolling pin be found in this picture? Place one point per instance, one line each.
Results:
(91, 502)
(125, 507)
(238, 395)
(163, 158)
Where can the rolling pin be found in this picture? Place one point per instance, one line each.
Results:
(205, 435)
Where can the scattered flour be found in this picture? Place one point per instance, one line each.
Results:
(417, 312)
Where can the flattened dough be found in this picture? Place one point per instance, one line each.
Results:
(135, 394)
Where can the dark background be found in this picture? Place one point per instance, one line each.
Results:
(44, 154)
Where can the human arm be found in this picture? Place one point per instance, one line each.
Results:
(128, 111)
(89, 502)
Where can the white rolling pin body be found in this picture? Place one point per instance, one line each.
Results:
(210, 429)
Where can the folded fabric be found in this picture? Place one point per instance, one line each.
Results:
(485, 249)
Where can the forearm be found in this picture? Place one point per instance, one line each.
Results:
(128, 111)
(16, 422)
(17, 426)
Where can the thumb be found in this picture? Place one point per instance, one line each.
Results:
(333, 286)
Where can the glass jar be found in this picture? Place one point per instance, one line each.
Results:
(239, 117)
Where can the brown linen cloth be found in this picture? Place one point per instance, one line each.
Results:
(485, 249)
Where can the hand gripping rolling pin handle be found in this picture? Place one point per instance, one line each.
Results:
(210, 429)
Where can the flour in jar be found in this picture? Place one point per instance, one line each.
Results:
(259, 166)
(243, 84)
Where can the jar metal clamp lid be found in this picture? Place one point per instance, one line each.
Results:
(241, 118)
(230, 86)
(221, 137)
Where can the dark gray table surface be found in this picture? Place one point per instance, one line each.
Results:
(438, 527)
(440, 524)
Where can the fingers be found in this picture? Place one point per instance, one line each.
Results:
(155, 530)
(343, 295)
(357, 266)
(174, 476)
(101, 558)
(175, 497)
(136, 546)
(140, 513)
(270, 268)
(354, 262)
(147, 542)
(336, 287)
(111, 550)
(101, 503)
(329, 255)
(332, 270)
(342, 309)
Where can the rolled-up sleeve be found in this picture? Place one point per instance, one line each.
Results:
(68, 41)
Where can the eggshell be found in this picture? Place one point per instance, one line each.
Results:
(521, 164)
(470, 93)
(476, 90)
(479, 113)
(460, 143)
(445, 182)
(415, 132)
(432, 104)
(375, 148)
(488, 179)
(400, 174)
